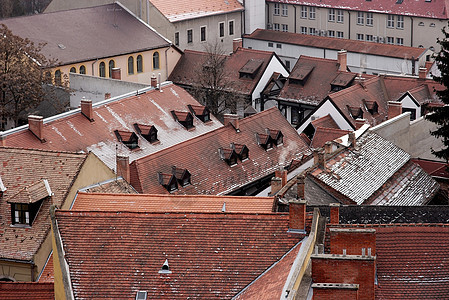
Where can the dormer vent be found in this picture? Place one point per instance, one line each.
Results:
(228, 155)
(184, 118)
(355, 112)
(182, 175)
(201, 112)
(141, 295)
(249, 70)
(168, 181)
(276, 136)
(241, 150)
(148, 132)
(128, 138)
(165, 268)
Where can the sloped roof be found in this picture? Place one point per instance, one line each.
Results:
(209, 255)
(213, 176)
(398, 85)
(21, 168)
(48, 274)
(26, 290)
(191, 62)
(118, 185)
(421, 94)
(72, 35)
(31, 194)
(321, 73)
(326, 122)
(323, 135)
(74, 132)
(172, 203)
(337, 44)
(179, 10)
(433, 168)
(422, 8)
(376, 172)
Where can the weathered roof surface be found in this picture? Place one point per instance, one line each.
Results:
(422, 94)
(21, 168)
(376, 172)
(191, 63)
(31, 194)
(209, 173)
(172, 203)
(421, 8)
(72, 35)
(210, 256)
(180, 10)
(326, 122)
(111, 186)
(323, 135)
(270, 285)
(316, 85)
(433, 168)
(74, 132)
(398, 85)
(26, 290)
(337, 44)
(48, 274)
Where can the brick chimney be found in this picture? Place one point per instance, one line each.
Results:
(276, 185)
(352, 141)
(326, 291)
(107, 96)
(328, 148)
(297, 214)
(153, 81)
(342, 60)
(335, 213)
(318, 157)
(355, 241)
(359, 123)
(116, 73)
(233, 119)
(281, 173)
(422, 73)
(394, 109)
(237, 43)
(86, 109)
(122, 167)
(36, 126)
(300, 187)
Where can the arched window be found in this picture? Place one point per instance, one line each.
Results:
(72, 70)
(156, 60)
(82, 69)
(102, 70)
(111, 65)
(139, 64)
(58, 77)
(130, 65)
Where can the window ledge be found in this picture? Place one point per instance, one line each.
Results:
(20, 226)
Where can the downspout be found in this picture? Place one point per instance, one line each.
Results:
(148, 11)
(295, 18)
(166, 62)
(93, 69)
(411, 32)
(243, 17)
(349, 25)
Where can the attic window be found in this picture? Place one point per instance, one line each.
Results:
(356, 112)
(264, 140)
(228, 155)
(184, 118)
(300, 75)
(372, 107)
(181, 175)
(276, 136)
(249, 70)
(128, 138)
(201, 112)
(168, 181)
(141, 295)
(241, 151)
(148, 132)
(165, 268)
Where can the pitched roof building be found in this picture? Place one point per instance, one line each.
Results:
(26, 290)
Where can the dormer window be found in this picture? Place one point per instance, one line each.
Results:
(264, 140)
(372, 107)
(148, 132)
(228, 155)
(201, 112)
(276, 136)
(182, 176)
(356, 112)
(128, 138)
(249, 70)
(168, 181)
(241, 151)
(184, 118)
(300, 75)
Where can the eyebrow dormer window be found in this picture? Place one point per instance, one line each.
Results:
(264, 140)
(148, 132)
(168, 181)
(201, 112)
(129, 139)
(276, 136)
(182, 175)
(241, 150)
(228, 155)
(184, 118)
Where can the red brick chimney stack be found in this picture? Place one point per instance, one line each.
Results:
(335, 213)
(86, 109)
(116, 73)
(359, 123)
(342, 60)
(233, 119)
(36, 126)
(297, 214)
(300, 187)
(237, 43)
(153, 81)
(122, 167)
(276, 185)
(352, 140)
(422, 73)
(281, 173)
(394, 109)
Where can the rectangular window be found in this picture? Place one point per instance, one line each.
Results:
(312, 13)
(360, 18)
(21, 214)
(303, 12)
(177, 38)
(390, 21)
(279, 46)
(340, 18)
(285, 27)
(400, 41)
(390, 40)
(369, 38)
(270, 44)
(231, 27)
(287, 64)
(312, 31)
(369, 19)
(331, 15)
(303, 30)
(400, 22)
(331, 33)
(340, 34)
(360, 37)
(276, 9)
(190, 36)
(284, 10)
(276, 26)
(221, 29)
(203, 33)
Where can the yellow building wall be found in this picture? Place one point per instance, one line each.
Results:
(57, 273)
(15, 271)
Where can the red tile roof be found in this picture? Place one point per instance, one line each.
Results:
(179, 10)
(422, 8)
(171, 203)
(48, 271)
(323, 135)
(209, 255)
(209, 173)
(337, 44)
(325, 122)
(74, 132)
(22, 168)
(433, 168)
(186, 71)
(26, 291)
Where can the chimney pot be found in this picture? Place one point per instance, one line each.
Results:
(422, 73)
(122, 167)
(153, 81)
(281, 173)
(318, 157)
(335, 213)
(86, 109)
(342, 60)
(116, 73)
(297, 214)
(394, 109)
(237, 43)
(233, 119)
(36, 126)
(328, 148)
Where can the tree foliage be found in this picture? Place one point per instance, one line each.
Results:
(21, 75)
(440, 115)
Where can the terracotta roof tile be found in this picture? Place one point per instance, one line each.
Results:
(209, 173)
(47, 274)
(433, 168)
(326, 122)
(323, 135)
(111, 186)
(26, 290)
(209, 255)
(31, 193)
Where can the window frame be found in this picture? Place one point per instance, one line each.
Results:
(304, 30)
(139, 66)
(369, 38)
(304, 12)
(340, 16)
(111, 67)
(277, 9)
(312, 31)
(340, 35)
(130, 63)
(203, 33)
(177, 38)
(276, 27)
(331, 15)
(400, 22)
(156, 63)
(284, 27)
(189, 36)
(390, 21)
(58, 77)
(20, 216)
(369, 19)
(360, 37)
(331, 33)
(390, 40)
(231, 27)
(82, 69)
(312, 13)
(221, 30)
(72, 70)
(284, 10)
(400, 41)
(360, 18)
(102, 69)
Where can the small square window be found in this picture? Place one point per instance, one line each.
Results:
(303, 30)
(360, 36)
(270, 44)
(284, 27)
(279, 46)
(276, 26)
(340, 34)
(331, 33)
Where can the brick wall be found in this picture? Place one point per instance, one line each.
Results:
(353, 240)
(323, 291)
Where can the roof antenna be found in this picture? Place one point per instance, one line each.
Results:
(223, 209)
